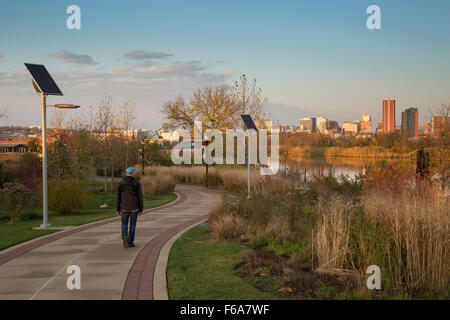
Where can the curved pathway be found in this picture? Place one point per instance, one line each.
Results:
(37, 269)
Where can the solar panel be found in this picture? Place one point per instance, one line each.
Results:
(43, 79)
(248, 121)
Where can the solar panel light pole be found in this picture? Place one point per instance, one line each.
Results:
(44, 85)
(249, 125)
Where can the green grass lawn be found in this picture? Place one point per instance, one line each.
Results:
(202, 268)
(11, 234)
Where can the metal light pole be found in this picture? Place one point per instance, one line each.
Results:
(45, 223)
(143, 158)
(248, 180)
(250, 126)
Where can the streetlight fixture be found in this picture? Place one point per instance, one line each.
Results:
(44, 85)
(63, 106)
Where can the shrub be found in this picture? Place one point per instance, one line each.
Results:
(224, 225)
(15, 200)
(65, 196)
(26, 169)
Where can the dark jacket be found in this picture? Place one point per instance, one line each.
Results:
(129, 195)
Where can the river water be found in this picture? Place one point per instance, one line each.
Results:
(337, 167)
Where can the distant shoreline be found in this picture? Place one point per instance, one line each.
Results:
(357, 152)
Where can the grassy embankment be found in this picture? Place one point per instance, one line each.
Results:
(319, 243)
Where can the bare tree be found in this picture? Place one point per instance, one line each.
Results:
(104, 121)
(58, 118)
(4, 113)
(249, 97)
(126, 121)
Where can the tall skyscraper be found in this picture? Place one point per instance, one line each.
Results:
(366, 123)
(321, 124)
(410, 122)
(388, 115)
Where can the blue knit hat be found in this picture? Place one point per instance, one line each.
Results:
(130, 170)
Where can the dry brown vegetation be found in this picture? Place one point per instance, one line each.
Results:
(338, 229)
(156, 182)
(333, 230)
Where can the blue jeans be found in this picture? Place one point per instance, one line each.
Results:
(132, 216)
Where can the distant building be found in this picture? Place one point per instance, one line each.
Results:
(321, 124)
(388, 115)
(308, 125)
(426, 127)
(285, 128)
(14, 146)
(169, 136)
(281, 128)
(380, 126)
(332, 127)
(366, 123)
(137, 133)
(410, 122)
(439, 124)
(351, 128)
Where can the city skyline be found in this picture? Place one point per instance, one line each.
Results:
(309, 59)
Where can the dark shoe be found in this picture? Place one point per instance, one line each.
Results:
(131, 245)
(125, 242)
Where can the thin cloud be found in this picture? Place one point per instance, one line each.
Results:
(2, 58)
(73, 58)
(146, 55)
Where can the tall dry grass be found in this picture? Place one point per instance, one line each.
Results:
(156, 182)
(230, 178)
(417, 231)
(401, 226)
(331, 237)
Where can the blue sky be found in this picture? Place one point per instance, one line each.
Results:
(311, 58)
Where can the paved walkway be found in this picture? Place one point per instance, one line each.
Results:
(37, 269)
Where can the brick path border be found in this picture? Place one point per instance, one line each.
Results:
(139, 282)
(12, 254)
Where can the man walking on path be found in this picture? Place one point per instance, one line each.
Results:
(130, 204)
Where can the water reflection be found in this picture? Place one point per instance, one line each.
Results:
(308, 167)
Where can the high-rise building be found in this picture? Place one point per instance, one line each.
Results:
(321, 124)
(410, 122)
(366, 123)
(439, 124)
(388, 115)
